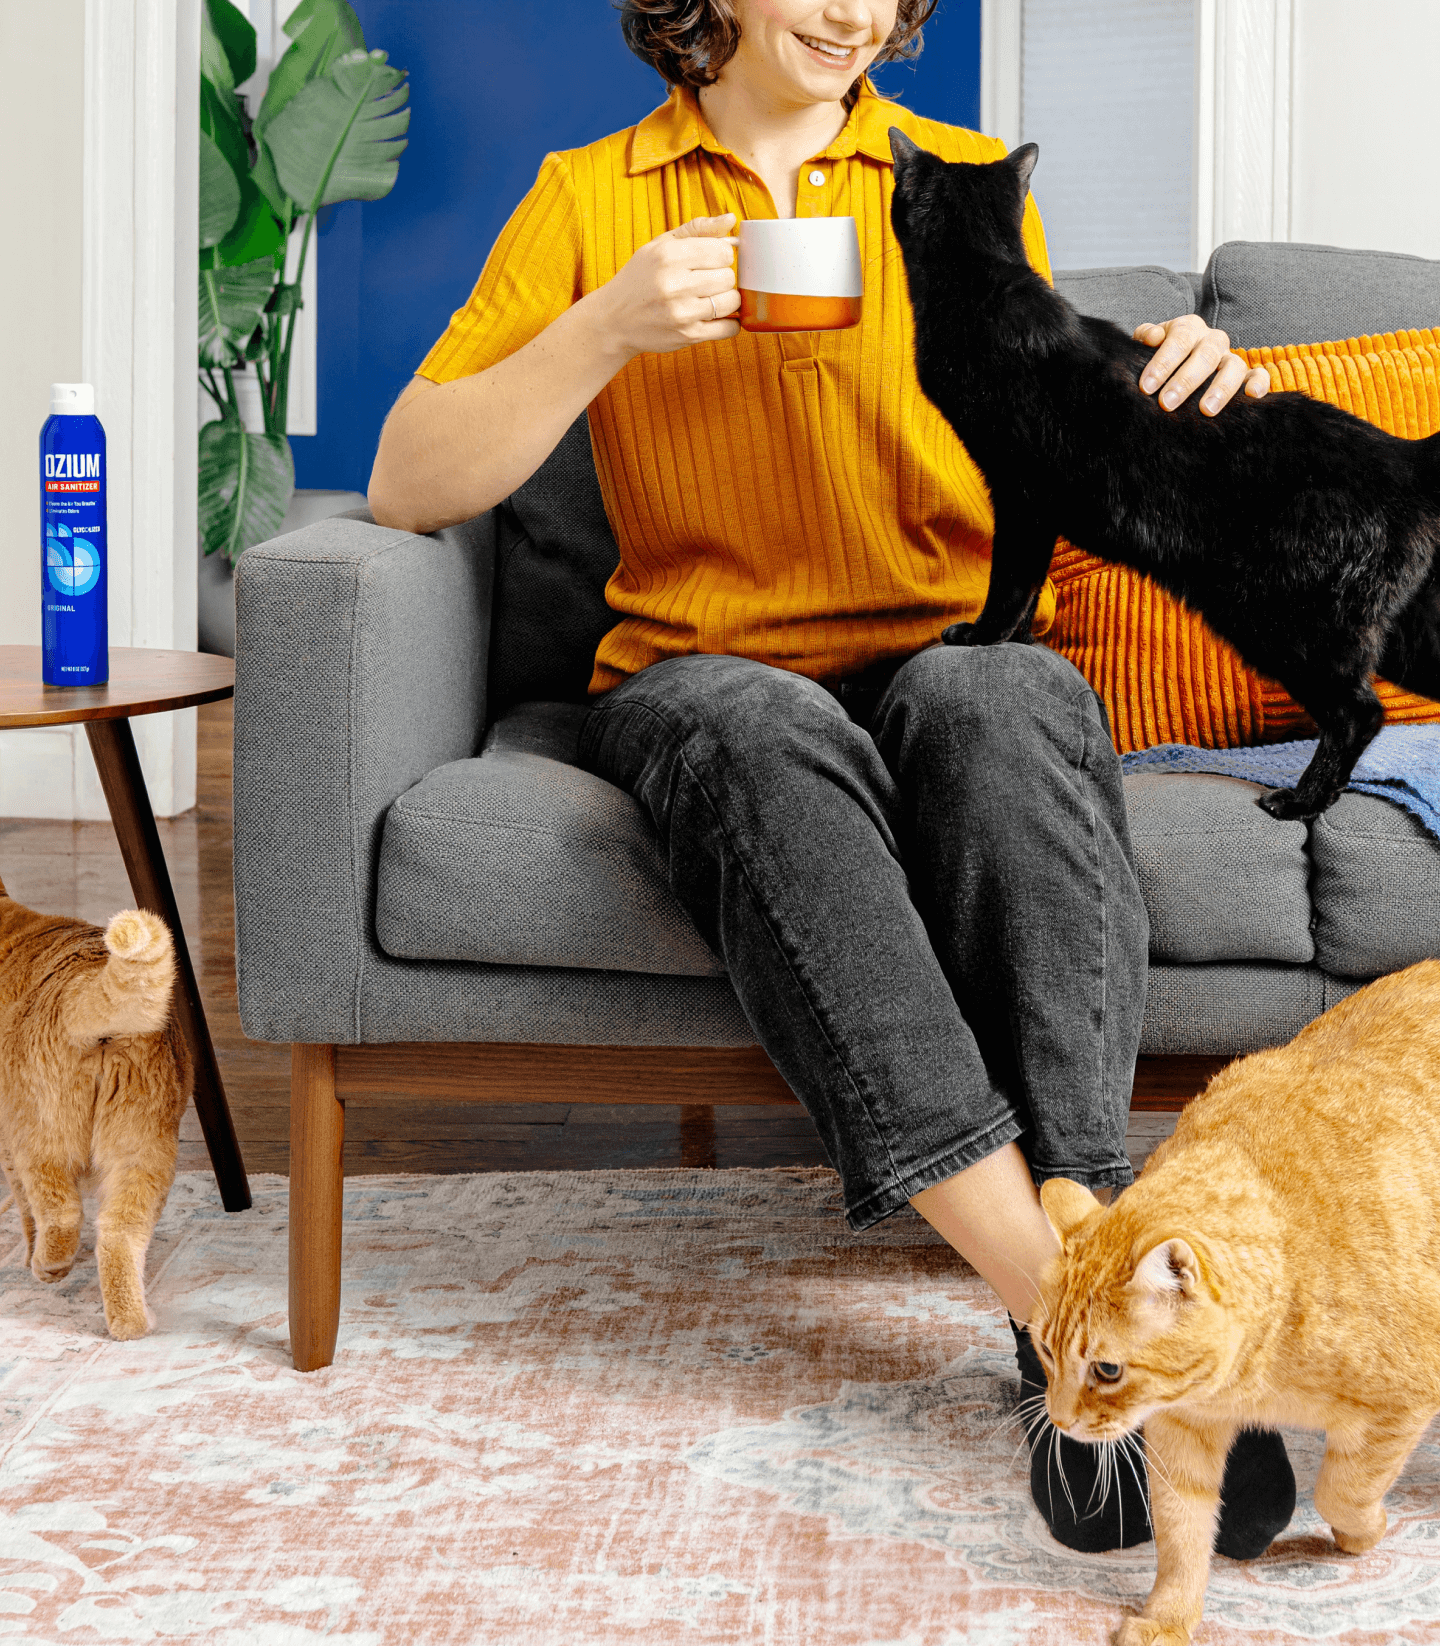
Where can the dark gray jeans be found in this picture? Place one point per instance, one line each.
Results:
(929, 911)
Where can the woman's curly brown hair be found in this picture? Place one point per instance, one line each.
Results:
(688, 42)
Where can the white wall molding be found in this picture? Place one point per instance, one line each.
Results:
(1001, 58)
(141, 112)
(1244, 71)
(268, 19)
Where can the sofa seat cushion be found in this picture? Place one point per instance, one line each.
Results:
(1376, 888)
(1222, 880)
(519, 857)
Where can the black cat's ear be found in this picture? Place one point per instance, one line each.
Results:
(902, 150)
(1023, 160)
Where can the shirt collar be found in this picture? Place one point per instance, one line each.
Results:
(678, 126)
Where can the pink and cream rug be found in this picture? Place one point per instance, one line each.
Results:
(582, 1407)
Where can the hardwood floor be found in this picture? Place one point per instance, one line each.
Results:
(75, 869)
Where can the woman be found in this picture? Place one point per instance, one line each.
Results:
(913, 858)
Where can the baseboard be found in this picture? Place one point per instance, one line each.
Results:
(48, 771)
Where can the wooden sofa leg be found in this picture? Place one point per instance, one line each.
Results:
(317, 1186)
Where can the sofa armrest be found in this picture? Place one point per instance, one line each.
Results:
(360, 664)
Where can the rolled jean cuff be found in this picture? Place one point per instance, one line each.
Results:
(1119, 1175)
(885, 1201)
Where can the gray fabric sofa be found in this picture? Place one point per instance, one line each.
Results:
(431, 896)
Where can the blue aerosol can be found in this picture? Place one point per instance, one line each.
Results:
(74, 590)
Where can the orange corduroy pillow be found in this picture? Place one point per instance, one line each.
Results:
(1163, 673)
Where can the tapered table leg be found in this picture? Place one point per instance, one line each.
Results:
(113, 746)
(317, 1198)
(697, 1135)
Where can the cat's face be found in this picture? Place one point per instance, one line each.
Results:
(1129, 1319)
(943, 214)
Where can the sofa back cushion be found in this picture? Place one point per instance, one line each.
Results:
(1128, 295)
(1266, 294)
(554, 555)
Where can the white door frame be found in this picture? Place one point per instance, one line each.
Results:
(138, 304)
(1001, 36)
(1244, 68)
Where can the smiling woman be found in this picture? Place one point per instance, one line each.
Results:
(689, 41)
(911, 859)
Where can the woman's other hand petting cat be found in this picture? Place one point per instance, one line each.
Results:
(1187, 352)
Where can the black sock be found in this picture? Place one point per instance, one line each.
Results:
(1257, 1496)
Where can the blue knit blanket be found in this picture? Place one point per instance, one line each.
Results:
(1402, 765)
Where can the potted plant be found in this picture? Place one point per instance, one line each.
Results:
(331, 127)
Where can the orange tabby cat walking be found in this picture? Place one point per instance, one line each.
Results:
(94, 1076)
(1277, 1262)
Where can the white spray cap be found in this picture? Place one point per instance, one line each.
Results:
(72, 400)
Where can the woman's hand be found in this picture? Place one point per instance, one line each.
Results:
(676, 291)
(1187, 351)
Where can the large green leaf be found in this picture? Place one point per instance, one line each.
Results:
(245, 485)
(220, 121)
(299, 19)
(255, 233)
(214, 64)
(231, 301)
(219, 193)
(341, 137)
(268, 182)
(322, 31)
(227, 44)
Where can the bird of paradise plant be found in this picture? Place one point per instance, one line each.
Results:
(330, 127)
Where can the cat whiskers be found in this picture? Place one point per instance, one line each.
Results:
(1106, 1477)
(1030, 1414)
(1057, 1458)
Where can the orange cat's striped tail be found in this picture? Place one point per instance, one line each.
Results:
(129, 993)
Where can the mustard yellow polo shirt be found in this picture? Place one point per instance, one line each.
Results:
(789, 497)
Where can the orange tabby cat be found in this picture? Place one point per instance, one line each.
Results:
(1277, 1262)
(94, 1077)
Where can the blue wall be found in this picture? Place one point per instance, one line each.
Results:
(491, 94)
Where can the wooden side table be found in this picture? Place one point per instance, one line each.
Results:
(142, 682)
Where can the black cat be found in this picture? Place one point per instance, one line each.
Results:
(1309, 539)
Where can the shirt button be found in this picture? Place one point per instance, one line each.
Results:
(816, 178)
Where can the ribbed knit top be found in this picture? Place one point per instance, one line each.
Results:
(790, 497)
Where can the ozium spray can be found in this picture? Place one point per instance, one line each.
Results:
(74, 626)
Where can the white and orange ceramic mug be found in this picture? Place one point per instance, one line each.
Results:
(799, 274)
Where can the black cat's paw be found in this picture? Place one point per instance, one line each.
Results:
(959, 634)
(1290, 806)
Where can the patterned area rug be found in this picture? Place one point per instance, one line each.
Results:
(652, 1406)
